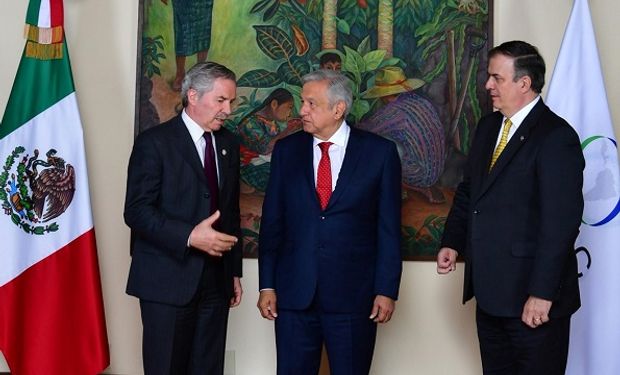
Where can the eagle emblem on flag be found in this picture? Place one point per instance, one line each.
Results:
(36, 190)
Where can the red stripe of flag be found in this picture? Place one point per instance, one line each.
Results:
(57, 13)
(52, 318)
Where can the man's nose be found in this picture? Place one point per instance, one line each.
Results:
(303, 110)
(488, 85)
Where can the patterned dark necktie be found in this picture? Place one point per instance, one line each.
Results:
(211, 172)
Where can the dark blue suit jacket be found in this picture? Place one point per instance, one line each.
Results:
(167, 195)
(516, 225)
(347, 254)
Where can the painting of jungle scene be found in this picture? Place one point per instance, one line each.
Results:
(418, 68)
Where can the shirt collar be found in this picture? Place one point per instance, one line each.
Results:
(339, 138)
(518, 117)
(195, 131)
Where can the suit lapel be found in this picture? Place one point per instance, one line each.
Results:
(517, 140)
(223, 154)
(307, 162)
(351, 159)
(187, 148)
(488, 145)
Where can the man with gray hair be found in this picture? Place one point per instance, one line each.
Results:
(182, 206)
(329, 247)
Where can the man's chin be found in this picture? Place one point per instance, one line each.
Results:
(216, 125)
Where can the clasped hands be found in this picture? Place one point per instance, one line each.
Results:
(203, 237)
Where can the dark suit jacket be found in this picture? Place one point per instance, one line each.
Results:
(516, 225)
(348, 253)
(167, 195)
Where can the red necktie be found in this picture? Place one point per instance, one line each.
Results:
(324, 176)
(211, 171)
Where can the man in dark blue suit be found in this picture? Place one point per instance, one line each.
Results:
(182, 206)
(329, 246)
(515, 218)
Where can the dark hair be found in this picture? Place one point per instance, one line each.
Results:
(526, 59)
(280, 95)
(329, 57)
(201, 77)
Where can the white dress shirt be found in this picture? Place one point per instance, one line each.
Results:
(197, 132)
(517, 119)
(336, 152)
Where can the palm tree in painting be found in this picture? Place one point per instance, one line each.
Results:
(385, 27)
(330, 32)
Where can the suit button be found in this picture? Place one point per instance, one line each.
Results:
(476, 212)
(207, 195)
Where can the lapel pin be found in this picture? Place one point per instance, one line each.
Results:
(522, 138)
(224, 152)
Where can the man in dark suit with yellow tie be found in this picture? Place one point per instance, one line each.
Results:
(182, 206)
(514, 220)
(329, 248)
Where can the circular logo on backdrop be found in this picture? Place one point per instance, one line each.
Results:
(601, 189)
(36, 190)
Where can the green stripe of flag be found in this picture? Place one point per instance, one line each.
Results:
(32, 15)
(38, 85)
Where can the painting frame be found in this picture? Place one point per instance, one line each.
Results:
(420, 234)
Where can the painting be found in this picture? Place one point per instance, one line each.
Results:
(417, 67)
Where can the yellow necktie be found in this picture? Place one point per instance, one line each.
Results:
(502, 142)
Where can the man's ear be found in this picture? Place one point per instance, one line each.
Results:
(340, 108)
(526, 83)
(192, 96)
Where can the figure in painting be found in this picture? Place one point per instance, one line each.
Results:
(192, 33)
(412, 122)
(258, 131)
(330, 61)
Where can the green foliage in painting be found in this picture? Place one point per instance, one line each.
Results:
(274, 42)
(360, 66)
(260, 78)
(423, 241)
(277, 44)
(152, 55)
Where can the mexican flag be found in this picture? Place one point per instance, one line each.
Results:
(51, 310)
(577, 93)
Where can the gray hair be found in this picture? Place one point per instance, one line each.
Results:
(338, 87)
(202, 76)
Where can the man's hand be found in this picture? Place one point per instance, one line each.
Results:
(382, 309)
(446, 260)
(267, 304)
(536, 311)
(207, 239)
(238, 290)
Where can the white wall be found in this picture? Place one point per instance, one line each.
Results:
(431, 332)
